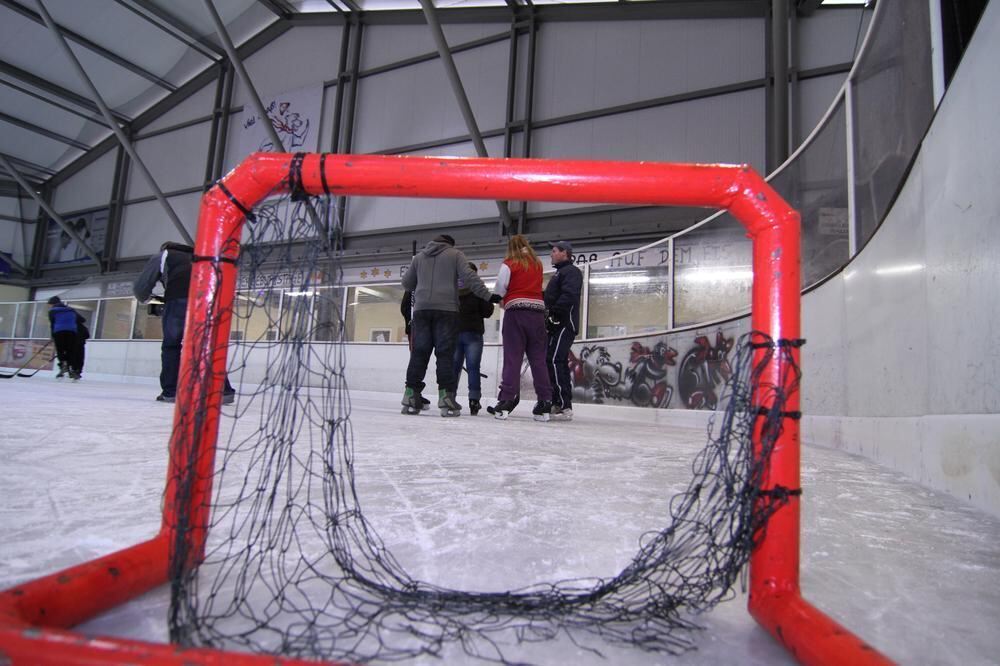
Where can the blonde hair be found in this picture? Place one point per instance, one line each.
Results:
(519, 251)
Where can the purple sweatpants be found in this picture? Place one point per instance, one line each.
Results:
(524, 333)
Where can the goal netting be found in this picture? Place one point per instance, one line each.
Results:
(264, 541)
(291, 564)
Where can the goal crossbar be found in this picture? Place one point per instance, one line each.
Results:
(35, 616)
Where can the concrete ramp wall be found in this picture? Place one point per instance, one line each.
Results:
(902, 363)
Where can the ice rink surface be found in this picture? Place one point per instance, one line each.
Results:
(474, 503)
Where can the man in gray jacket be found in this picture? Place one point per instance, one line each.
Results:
(433, 278)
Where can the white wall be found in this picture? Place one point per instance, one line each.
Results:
(902, 363)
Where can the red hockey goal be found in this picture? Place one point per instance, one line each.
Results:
(35, 617)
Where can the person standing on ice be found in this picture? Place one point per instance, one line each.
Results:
(67, 328)
(519, 283)
(433, 278)
(472, 310)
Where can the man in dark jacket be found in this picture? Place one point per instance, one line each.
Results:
(67, 331)
(172, 268)
(562, 305)
(433, 278)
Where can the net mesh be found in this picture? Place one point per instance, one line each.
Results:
(293, 566)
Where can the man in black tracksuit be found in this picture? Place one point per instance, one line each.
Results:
(171, 267)
(562, 306)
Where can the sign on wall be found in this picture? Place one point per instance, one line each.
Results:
(295, 116)
(60, 248)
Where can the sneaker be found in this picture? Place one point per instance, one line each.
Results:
(541, 410)
(561, 413)
(166, 398)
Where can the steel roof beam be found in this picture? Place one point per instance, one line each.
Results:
(48, 209)
(36, 129)
(53, 89)
(52, 102)
(122, 139)
(192, 38)
(258, 106)
(277, 8)
(29, 165)
(463, 101)
(13, 264)
(93, 46)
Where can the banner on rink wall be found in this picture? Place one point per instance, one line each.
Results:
(295, 116)
(60, 248)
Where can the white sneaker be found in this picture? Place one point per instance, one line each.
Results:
(561, 414)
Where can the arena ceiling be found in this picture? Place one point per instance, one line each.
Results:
(142, 56)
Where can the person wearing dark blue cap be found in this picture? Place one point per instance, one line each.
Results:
(562, 321)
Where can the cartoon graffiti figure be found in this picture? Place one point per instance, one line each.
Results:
(594, 374)
(291, 127)
(703, 369)
(646, 379)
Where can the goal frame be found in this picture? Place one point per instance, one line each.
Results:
(35, 617)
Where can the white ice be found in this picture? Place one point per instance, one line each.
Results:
(474, 503)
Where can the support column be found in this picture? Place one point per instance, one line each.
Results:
(779, 68)
(463, 101)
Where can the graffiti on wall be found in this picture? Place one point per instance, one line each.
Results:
(652, 371)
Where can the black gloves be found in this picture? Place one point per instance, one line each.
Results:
(552, 324)
(495, 298)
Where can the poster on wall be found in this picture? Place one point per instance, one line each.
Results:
(60, 248)
(295, 116)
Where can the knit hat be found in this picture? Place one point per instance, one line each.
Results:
(55, 300)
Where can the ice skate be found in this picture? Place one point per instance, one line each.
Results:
(561, 413)
(503, 408)
(474, 406)
(447, 403)
(62, 370)
(541, 410)
(412, 401)
(425, 404)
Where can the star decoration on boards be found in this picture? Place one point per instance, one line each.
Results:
(375, 272)
(364, 274)
(483, 265)
(387, 273)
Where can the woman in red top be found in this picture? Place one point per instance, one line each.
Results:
(520, 284)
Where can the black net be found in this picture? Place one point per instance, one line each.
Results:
(292, 565)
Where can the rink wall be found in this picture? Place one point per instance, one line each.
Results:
(902, 364)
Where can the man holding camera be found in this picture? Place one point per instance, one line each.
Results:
(562, 321)
(172, 268)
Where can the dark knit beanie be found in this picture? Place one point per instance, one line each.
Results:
(55, 300)
(445, 238)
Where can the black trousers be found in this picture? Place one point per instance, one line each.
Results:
(68, 351)
(557, 362)
(433, 331)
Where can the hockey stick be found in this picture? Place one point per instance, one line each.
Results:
(17, 373)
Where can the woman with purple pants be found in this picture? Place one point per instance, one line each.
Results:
(520, 284)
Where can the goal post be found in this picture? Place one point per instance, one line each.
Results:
(34, 616)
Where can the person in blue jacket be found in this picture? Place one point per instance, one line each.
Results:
(67, 328)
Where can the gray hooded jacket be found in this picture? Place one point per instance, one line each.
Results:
(434, 274)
